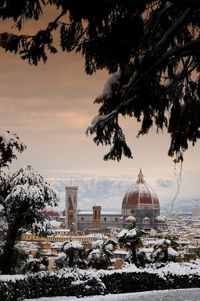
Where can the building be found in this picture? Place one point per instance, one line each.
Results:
(97, 219)
(140, 201)
(71, 193)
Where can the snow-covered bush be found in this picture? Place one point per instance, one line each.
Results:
(131, 279)
(165, 251)
(99, 256)
(131, 240)
(73, 255)
(61, 261)
(34, 265)
(37, 263)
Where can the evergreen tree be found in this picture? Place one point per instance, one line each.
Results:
(151, 47)
(9, 145)
(23, 197)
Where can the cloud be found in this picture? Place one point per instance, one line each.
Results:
(165, 183)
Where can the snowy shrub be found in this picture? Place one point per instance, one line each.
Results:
(131, 240)
(99, 256)
(61, 261)
(36, 285)
(34, 265)
(73, 255)
(132, 279)
(164, 252)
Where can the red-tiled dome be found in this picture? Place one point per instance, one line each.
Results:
(140, 195)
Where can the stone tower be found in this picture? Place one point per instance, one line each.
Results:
(96, 218)
(71, 207)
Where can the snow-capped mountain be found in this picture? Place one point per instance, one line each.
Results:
(109, 192)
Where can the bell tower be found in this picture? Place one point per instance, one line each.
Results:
(96, 218)
(71, 193)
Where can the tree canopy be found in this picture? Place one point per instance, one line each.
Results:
(9, 145)
(150, 46)
(23, 197)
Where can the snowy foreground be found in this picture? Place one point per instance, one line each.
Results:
(166, 295)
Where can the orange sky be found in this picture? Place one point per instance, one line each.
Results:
(50, 107)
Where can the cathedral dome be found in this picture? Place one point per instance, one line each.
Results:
(140, 195)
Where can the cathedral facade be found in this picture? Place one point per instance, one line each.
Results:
(140, 203)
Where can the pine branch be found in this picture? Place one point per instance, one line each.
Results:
(174, 27)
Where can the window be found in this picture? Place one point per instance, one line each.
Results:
(105, 219)
(82, 218)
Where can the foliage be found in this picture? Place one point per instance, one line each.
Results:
(61, 261)
(131, 240)
(44, 284)
(73, 254)
(23, 197)
(92, 285)
(151, 47)
(35, 265)
(99, 256)
(197, 252)
(165, 250)
(18, 259)
(9, 144)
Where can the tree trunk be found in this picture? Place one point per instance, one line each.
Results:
(134, 258)
(166, 257)
(8, 250)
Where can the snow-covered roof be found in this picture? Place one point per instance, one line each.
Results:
(73, 244)
(102, 213)
(55, 223)
(84, 213)
(61, 230)
(110, 213)
(160, 219)
(130, 219)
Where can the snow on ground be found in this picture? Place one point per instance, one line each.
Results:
(165, 295)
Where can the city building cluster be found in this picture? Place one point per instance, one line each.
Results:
(140, 207)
